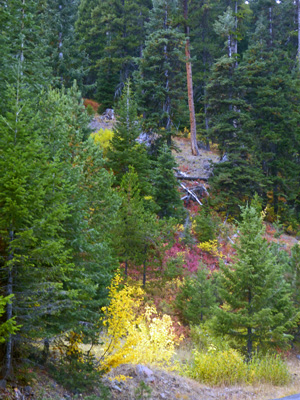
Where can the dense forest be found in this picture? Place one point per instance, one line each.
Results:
(99, 245)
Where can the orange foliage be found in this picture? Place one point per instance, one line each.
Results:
(92, 103)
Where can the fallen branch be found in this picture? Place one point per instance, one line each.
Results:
(182, 175)
(191, 178)
(191, 193)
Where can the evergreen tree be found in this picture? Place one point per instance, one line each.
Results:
(125, 150)
(89, 42)
(166, 193)
(8, 327)
(272, 93)
(196, 298)
(24, 47)
(68, 64)
(87, 228)
(136, 228)
(257, 310)
(238, 176)
(35, 260)
(160, 80)
(116, 29)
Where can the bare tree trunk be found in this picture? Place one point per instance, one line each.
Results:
(189, 78)
(9, 311)
(229, 46)
(167, 102)
(271, 24)
(236, 27)
(145, 267)
(22, 39)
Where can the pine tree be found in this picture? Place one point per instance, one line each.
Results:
(114, 33)
(8, 327)
(136, 229)
(125, 150)
(160, 80)
(89, 42)
(24, 48)
(257, 311)
(238, 176)
(166, 193)
(272, 93)
(196, 298)
(63, 123)
(67, 63)
(35, 261)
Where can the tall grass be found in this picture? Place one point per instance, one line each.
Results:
(228, 367)
(268, 369)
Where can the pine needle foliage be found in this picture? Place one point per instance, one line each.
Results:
(124, 150)
(257, 311)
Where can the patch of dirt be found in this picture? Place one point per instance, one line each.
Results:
(195, 166)
(151, 383)
(162, 385)
(100, 122)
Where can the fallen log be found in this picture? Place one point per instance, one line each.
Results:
(191, 193)
(191, 178)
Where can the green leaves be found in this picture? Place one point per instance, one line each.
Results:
(8, 327)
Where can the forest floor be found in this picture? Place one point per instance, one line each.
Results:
(156, 384)
(195, 166)
(169, 386)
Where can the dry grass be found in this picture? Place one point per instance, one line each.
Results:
(259, 391)
(180, 387)
(193, 165)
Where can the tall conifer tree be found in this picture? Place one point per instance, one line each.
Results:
(125, 150)
(257, 310)
(161, 80)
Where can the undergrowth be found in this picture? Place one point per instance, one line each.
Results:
(228, 367)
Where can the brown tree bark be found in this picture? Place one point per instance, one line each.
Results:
(189, 78)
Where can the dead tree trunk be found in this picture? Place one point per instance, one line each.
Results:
(9, 310)
(189, 78)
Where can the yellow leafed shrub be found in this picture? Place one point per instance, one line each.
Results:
(218, 367)
(102, 138)
(228, 367)
(134, 337)
(210, 246)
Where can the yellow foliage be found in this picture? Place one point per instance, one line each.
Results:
(120, 378)
(210, 247)
(228, 367)
(218, 367)
(132, 337)
(102, 138)
(70, 346)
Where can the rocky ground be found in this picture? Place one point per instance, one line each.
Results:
(195, 166)
(155, 384)
(149, 383)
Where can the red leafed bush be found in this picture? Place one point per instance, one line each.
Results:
(92, 103)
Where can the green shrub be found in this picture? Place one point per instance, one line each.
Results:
(90, 111)
(218, 367)
(203, 340)
(173, 267)
(268, 369)
(205, 226)
(76, 370)
(228, 367)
